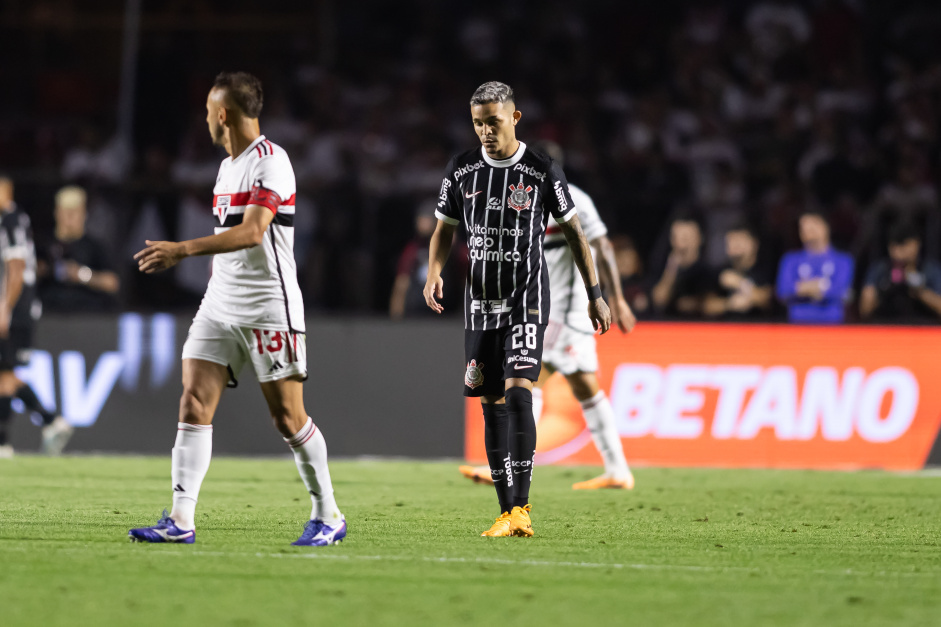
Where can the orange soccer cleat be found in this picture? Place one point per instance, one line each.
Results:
(520, 523)
(477, 474)
(606, 483)
(500, 528)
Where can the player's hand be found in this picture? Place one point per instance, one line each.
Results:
(434, 289)
(600, 315)
(159, 256)
(4, 323)
(621, 315)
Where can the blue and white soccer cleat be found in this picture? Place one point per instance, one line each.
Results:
(317, 533)
(164, 531)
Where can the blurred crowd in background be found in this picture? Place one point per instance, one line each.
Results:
(761, 160)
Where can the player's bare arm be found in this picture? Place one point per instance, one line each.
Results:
(13, 287)
(160, 256)
(598, 310)
(438, 251)
(621, 313)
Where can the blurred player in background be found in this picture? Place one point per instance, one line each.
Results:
(504, 194)
(19, 311)
(252, 313)
(570, 342)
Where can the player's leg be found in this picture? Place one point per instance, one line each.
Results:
(483, 379)
(285, 398)
(280, 362)
(203, 383)
(599, 416)
(6, 413)
(544, 375)
(481, 474)
(7, 390)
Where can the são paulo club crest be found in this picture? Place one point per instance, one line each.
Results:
(519, 197)
(474, 377)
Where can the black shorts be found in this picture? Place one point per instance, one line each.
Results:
(15, 348)
(495, 355)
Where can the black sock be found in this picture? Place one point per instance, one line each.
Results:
(519, 405)
(32, 403)
(496, 439)
(5, 413)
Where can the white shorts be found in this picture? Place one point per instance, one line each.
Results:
(568, 351)
(274, 354)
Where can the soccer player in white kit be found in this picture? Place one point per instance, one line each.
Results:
(252, 313)
(570, 346)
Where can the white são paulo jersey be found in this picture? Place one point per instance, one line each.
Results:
(569, 300)
(256, 287)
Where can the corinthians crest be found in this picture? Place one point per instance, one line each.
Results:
(474, 377)
(519, 197)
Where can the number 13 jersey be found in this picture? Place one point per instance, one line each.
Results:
(256, 287)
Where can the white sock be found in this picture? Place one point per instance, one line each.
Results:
(310, 455)
(600, 420)
(190, 462)
(537, 403)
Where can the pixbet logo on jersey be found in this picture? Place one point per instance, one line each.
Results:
(525, 169)
(461, 171)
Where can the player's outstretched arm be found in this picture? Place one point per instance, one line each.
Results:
(598, 311)
(438, 251)
(159, 256)
(621, 313)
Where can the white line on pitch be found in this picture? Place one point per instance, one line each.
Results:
(508, 562)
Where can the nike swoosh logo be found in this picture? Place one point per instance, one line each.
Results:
(519, 367)
(466, 195)
(166, 536)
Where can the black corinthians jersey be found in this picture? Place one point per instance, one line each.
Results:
(505, 207)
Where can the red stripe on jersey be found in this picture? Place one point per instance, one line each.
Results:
(258, 148)
(265, 198)
(241, 199)
(238, 199)
(270, 147)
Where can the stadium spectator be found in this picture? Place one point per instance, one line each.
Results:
(685, 279)
(815, 282)
(74, 268)
(904, 287)
(631, 271)
(744, 288)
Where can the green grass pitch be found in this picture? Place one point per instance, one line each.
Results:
(686, 547)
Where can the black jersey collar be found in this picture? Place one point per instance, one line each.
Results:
(504, 163)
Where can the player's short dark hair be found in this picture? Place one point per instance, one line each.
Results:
(903, 232)
(492, 91)
(244, 91)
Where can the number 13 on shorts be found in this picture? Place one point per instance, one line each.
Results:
(277, 344)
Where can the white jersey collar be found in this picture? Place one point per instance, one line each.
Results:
(504, 163)
(251, 146)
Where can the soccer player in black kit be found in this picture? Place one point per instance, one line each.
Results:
(504, 194)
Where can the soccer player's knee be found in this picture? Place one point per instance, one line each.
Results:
(519, 397)
(192, 409)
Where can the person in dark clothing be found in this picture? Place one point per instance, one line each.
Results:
(685, 280)
(74, 268)
(904, 287)
(19, 311)
(744, 288)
